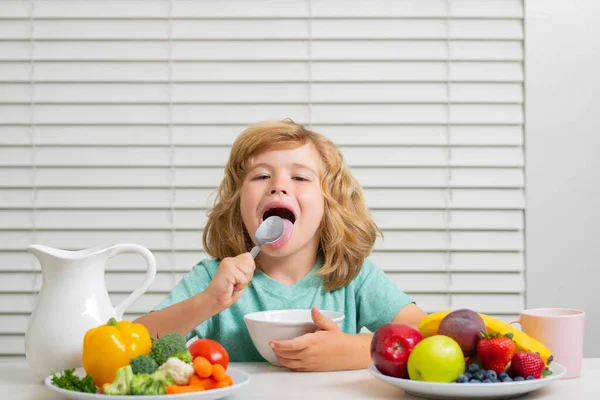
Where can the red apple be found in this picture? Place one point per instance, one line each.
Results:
(391, 345)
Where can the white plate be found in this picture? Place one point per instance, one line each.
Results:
(500, 390)
(240, 378)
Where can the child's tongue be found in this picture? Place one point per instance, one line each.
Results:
(287, 233)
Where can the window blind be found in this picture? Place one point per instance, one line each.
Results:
(116, 119)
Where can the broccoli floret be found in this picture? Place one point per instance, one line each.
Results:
(121, 384)
(185, 356)
(143, 364)
(167, 346)
(150, 384)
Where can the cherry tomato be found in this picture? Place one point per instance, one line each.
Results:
(211, 350)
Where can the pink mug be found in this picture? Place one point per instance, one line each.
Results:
(559, 329)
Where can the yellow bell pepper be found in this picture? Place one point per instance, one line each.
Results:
(111, 346)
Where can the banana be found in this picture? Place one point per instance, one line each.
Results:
(523, 342)
(430, 324)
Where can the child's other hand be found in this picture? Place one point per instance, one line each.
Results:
(232, 277)
(324, 350)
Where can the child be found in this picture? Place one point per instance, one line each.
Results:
(280, 168)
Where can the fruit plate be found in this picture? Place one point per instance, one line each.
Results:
(240, 378)
(500, 390)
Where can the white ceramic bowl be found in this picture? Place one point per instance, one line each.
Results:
(265, 326)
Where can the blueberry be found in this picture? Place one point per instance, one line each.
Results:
(491, 375)
(468, 375)
(473, 368)
(479, 375)
(503, 375)
(474, 381)
(487, 381)
(507, 379)
(530, 378)
(519, 378)
(462, 379)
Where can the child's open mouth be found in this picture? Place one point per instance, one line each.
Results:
(283, 213)
(288, 217)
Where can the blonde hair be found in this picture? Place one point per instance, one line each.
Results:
(347, 230)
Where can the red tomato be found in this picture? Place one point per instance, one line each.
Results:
(211, 350)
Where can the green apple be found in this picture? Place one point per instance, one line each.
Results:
(437, 358)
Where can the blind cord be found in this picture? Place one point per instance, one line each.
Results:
(448, 191)
(172, 193)
(33, 152)
(309, 64)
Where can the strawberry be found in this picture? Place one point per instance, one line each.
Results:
(525, 363)
(495, 351)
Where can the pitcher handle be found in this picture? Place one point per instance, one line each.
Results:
(150, 274)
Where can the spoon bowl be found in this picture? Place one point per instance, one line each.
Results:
(269, 231)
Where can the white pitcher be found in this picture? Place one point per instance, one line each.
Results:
(73, 299)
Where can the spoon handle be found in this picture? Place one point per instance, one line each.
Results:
(255, 250)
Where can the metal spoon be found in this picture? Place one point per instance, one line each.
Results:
(269, 231)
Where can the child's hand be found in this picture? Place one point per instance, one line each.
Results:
(232, 277)
(324, 350)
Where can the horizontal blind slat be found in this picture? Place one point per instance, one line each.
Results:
(411, 282)
(263, 50)
(438, 261)
(488, 8)
(215, 156)
(486, 303)
(421, 50)
(417, 114)
(266, 8)
(421, 71)
(150, 114)
(23, 261)
(210, 135)
(196, 219)
(389, 261)
(14, 325)
(431, 302)
(12, 345)
(321, 71)
(419, 8)
(202, 198)
(241, 114)
(192, 240)
(79, 93)
(417, 29)
(438, 283)
(202, 177)
(256, 29)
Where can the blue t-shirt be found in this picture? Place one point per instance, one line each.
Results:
(369, 300)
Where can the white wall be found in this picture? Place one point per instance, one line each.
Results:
(562, 162)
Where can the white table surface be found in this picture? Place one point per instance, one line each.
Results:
(17, 382)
